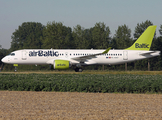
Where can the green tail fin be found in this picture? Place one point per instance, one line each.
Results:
(145, 40)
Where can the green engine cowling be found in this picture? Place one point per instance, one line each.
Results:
(61, 64)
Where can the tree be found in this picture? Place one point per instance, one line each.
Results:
(122, 37)
(160, 30)
(156, 62)
(100, 36)
(57, 36)
(80, 37)
(3, 53)
(27, 36)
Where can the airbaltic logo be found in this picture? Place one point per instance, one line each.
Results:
(143, 45)
(43, 53)
(61, 64)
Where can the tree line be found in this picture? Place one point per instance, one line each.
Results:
(34, 35)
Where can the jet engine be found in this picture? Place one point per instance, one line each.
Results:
(61, 64)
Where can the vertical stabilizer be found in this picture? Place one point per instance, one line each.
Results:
(145, 40)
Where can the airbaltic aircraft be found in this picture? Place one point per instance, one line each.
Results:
(65, 58)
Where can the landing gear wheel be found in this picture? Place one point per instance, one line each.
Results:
(78, 69)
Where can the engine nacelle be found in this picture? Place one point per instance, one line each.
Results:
(61, 64)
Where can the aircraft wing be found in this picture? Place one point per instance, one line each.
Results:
(84, 58)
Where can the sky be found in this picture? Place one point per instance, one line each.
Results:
(86, 13)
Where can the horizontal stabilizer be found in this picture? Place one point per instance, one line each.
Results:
(149, 53)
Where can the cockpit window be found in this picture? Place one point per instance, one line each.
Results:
(12, 54)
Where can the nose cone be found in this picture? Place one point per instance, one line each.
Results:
(4, 60)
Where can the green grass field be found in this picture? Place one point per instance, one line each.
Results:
(88, 81)
(87, 72)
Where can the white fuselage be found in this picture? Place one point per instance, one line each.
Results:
(47, 56)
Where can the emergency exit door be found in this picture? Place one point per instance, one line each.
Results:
(125, 55)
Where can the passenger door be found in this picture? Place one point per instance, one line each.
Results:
(24, 55)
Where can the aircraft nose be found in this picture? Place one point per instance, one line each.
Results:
(4, 60)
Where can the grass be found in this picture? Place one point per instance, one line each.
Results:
(136, 82)
(87, 72)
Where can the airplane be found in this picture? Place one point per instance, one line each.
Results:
(66, 58)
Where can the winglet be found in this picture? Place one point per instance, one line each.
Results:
(107, 50)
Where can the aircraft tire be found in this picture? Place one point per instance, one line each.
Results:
(78, 69)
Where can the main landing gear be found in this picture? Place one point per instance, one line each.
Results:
(78, 69)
